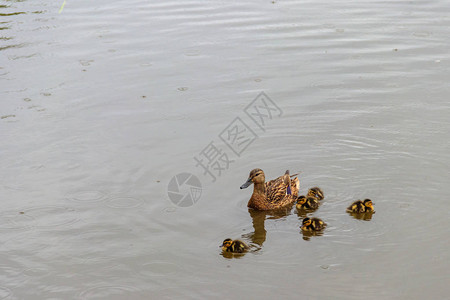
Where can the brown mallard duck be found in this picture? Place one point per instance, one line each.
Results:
(313, 224)
(273, 194)
(304, 202)
(361, 206)
(315, 192)
(235, 246)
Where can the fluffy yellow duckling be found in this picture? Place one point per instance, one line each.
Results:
(361, 206)
(235, 246)
(315, 192)
(304, 202)
(313, 224)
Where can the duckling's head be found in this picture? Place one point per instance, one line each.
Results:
(226, 243)
(306, 222)
(368, 203)
(316, 193)
(301, 200)
(256, 176)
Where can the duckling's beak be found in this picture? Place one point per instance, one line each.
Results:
(246, 184)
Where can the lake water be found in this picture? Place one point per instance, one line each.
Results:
(105, 103)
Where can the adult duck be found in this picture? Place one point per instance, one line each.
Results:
(273, 194)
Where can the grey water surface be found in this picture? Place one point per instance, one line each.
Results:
(103, 103)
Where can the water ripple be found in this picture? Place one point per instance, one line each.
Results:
(36, 272)
(5, 292)
(159, 268)
(52, 216)
(111, 292)
(86, 196)
(97, 243)
(29, 243)
(124, 202)
(16, 221)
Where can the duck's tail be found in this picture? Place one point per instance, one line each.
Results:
(295, 174)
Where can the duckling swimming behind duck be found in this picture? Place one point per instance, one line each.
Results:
(307, 203)
(235, 246)
(361, 206)
(315, 192)
(313, 224)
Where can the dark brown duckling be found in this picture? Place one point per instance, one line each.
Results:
(315, 192)
(313, 224)
(361, 206)
(235, 246)
(304, 202)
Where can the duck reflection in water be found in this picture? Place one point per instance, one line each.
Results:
(367, 216)
(257, 237)
(308, 234)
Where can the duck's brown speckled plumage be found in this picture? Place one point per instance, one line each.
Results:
(272, 194)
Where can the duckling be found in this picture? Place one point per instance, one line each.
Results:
(235, 246)
(313, 224)
(274, 194)
(307, 203)
(315, 192)
(361, 206)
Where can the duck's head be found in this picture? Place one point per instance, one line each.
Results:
(256, 176)
(316, 193)
(301, 200)
(306, 222)
(368, 203)
(226, 243)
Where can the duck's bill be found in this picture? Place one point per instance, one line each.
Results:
(246, 184)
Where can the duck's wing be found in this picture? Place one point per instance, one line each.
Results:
(272, 188)
(278, 188)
